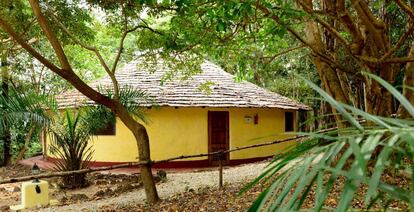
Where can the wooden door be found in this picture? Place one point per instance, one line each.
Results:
(218, 135)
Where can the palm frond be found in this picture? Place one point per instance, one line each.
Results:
(99, 116)
(20, 107)
(70, 144)
(359, 155)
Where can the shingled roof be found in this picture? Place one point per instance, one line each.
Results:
(224, 91)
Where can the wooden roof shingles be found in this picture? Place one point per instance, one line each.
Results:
(224, 91)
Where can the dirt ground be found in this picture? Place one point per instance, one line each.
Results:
(101, 186)
(175, 183)
(209, 198)
(117, 188)
(179, 191)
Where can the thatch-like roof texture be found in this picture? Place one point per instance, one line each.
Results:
(224, 91)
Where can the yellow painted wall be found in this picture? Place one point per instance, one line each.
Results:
(271, 126)
(184, 131)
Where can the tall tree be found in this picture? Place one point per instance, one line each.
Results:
(65, 70)
(345, 38)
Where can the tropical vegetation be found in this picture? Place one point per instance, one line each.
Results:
(23, 116)
(350, 52)
(361, 155)
(70, 138)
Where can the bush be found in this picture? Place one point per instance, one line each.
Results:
(70, 144)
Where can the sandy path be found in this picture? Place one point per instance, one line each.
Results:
(176, 183)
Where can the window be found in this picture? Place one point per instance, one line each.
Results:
(108, 130)
(289, 127)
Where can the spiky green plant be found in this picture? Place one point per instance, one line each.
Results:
(25, 107)
(360, 155)
(23, 110)
(70, 137)
(70, 144)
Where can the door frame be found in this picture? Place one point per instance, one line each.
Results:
(211, 158)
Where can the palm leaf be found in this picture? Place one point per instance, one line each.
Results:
(346, 154)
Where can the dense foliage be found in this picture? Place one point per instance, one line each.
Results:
(24, 114)
(332, 43)
(365, 155)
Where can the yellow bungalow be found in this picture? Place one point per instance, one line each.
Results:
(189, 120)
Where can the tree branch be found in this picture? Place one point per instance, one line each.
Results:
(25, 31)
(9, 30)
(399, 60)
(29, 42)
(150, 29)
(118, 55)
(267, 13)
(373, 25)
(271, 58)
(401, 41)
(121, 43)
(405, 8)
(391, 60)
(332, 30)
(68, 75)
(364, 11)
(407, 33)
(51, 36)
(346, 19)
(80, 43)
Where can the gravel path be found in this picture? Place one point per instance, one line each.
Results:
(176, 183)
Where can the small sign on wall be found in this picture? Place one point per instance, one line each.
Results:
(248, 119)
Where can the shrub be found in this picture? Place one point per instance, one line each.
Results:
(70, 144)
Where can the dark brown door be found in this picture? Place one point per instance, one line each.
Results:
(218, 135)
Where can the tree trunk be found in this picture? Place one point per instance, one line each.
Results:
(5, 135)
(408, 85)
(26, 143)
(330, 79)
(376, 42)
(378, 100)
(67, 73)
(141, 137)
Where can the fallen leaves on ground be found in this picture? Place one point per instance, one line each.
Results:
(203, 199)
(228, 198)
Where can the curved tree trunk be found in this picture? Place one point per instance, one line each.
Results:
(370, 39)
(375, 43)
(141, 137)
(378, 100)
(330, 79)
(66, 72)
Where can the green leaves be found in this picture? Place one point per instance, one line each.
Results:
(70, 138)
(336, 105)
(404, 102)
(359, 158)
(20, 108)
(98, 117)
